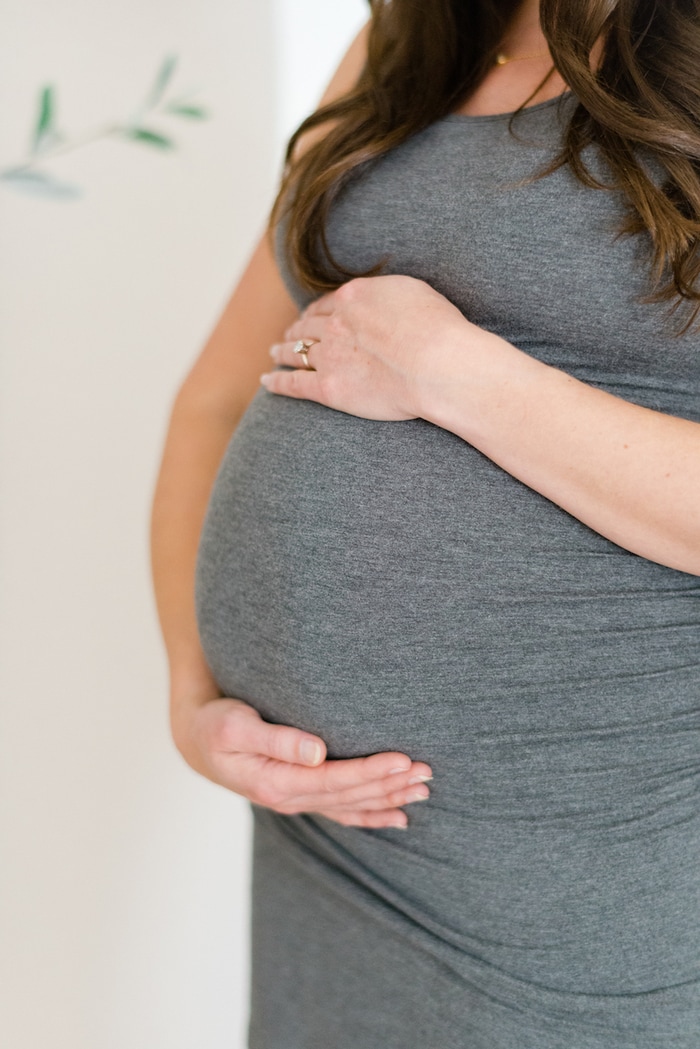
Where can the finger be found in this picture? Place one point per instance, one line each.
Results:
(383, 819)
(279, 784)
(284, 353)
(341, 802)
(324, 306)
(394, 791)
(349, 772)
(388, 793)
(334, 776)
(247, 733)
(302, 383)
(306, 328)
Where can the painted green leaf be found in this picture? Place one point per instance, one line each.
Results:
(45, 118)
(192, 112)
(39, 184)
(162, 80)
(150, 138)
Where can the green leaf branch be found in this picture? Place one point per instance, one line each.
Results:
(48, 141)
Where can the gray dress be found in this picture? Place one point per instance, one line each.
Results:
(387, 586)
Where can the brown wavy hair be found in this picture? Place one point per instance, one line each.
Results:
(639, 102)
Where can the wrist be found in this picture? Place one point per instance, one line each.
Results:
(187, 699)
(191, 684)
(482, 380)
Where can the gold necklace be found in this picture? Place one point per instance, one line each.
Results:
(501, 59)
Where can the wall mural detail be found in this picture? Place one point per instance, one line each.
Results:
(48, 141)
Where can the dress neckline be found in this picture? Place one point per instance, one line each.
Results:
(479, 117)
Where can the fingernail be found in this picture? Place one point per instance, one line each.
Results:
(395, 772)
(415, 796)
(311, 752)
(419, 779)
(265, 379)
(399, 826)
(274, 350)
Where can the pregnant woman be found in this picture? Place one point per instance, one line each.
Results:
(445, 633)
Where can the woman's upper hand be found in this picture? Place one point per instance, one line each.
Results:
(375, 348)
(286, 769)
(393, 348)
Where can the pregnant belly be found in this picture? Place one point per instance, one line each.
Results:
(388, 587)
(356, 576)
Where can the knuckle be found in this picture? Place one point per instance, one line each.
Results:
(275, 744)
(225, 733)
(229, 729)
(328, 387)
(397, 801)
(335, 326)
(346, 292)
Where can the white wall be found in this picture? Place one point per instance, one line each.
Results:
(123, 875)
(311, 36)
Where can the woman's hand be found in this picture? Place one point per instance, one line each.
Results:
(374, 351)
(393, 348)
(285, 769)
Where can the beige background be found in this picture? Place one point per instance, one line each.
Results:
(123, 878)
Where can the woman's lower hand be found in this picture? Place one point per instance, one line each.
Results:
(378, 347)
(287, 770)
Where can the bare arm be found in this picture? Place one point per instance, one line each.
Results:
(630, 473)
(221, 737)
(207, 409)
(208, 406)
(394, 348)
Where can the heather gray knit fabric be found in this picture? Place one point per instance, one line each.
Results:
(387, 586)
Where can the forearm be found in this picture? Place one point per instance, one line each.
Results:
(214, 396)
(630, 473)
(194, 446)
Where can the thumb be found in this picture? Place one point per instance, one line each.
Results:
(281, 742)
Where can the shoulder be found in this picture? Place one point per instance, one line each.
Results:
(349, 69)
(342, 82)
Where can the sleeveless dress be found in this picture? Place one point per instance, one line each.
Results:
(387, 586)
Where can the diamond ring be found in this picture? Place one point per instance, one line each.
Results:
(300, 347)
